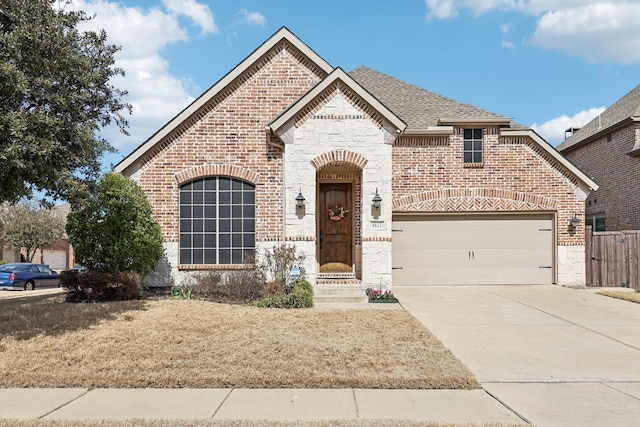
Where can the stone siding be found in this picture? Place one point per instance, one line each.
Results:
(339, 134)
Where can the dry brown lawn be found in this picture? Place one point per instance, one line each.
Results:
(45, 342)
(627, 296)
(227, 423)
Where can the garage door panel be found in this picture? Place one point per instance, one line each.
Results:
(473, 249)
(440, 257)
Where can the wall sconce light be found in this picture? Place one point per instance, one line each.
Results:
(377, 201)
(300, 200)
(574, 221)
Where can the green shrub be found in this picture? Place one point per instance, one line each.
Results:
(181, 292)
(114, 230)
(99, 286)
(301, 296)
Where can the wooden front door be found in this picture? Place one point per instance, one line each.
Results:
(335, 228)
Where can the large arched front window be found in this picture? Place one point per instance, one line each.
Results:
(217, 221)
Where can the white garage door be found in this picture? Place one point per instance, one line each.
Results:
(472, 249)
(56, 260)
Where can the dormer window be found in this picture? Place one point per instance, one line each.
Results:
(473, 147)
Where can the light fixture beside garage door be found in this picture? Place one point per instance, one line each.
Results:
(574, 221)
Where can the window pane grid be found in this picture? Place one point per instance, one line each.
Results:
(217, 221)
(472, 146)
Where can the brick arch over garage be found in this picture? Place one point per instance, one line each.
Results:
(217, 170)
(473, 200)
(339, 157)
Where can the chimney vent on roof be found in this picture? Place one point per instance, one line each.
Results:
(570, 131)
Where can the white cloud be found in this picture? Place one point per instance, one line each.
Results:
(505, 28)
(553, 131)
(252, 18)
(444, 9)
(200, 14)
(155, 94)
(597, 30)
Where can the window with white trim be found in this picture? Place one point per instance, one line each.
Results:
(473, 146)
(217, 221)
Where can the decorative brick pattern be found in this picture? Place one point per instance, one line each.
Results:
(473, 200)
(217, 170)
(376, 239)
(338, 88)
(419, 141)
(517, 175)
(339, 157)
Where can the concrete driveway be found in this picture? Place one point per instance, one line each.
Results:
(553, 355)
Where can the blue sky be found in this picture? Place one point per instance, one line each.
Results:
(549, 64)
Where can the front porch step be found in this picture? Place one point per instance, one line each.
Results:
(339, 293)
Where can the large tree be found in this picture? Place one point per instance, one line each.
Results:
(56, 93)
(114, 230)
(30, 226)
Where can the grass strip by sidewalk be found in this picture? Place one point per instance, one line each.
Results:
(627, 296)
(199, 344)
(240, 423)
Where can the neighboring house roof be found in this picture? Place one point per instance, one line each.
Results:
(337, 75)
(625, 110)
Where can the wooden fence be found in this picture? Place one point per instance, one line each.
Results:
(612, 258)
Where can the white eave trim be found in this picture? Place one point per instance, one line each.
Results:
(282, 33)
(491, 120)
(337, 74)
(431, 130)
(553, 153)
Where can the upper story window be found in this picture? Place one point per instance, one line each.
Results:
(473, 146)
(217, 221)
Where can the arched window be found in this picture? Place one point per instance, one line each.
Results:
(217, 221)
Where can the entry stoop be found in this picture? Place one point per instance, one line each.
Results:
(329, 291)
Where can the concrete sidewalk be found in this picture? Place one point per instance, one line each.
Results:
(555, 356)
(254, 404)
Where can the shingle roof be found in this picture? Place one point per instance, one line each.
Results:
(625, 108)
(417, 107)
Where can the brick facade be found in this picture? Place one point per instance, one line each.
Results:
(339, 137)
(228, 138)
(607, 162)
(429, 176)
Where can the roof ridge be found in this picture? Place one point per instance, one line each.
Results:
(626, 107)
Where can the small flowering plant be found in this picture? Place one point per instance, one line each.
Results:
(337, 213)
(379, 295)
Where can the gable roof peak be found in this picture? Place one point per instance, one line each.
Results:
(338, 74)
(282, 34)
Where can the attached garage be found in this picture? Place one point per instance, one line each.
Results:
(478, 249)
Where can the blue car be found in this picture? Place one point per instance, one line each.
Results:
(27, 276)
